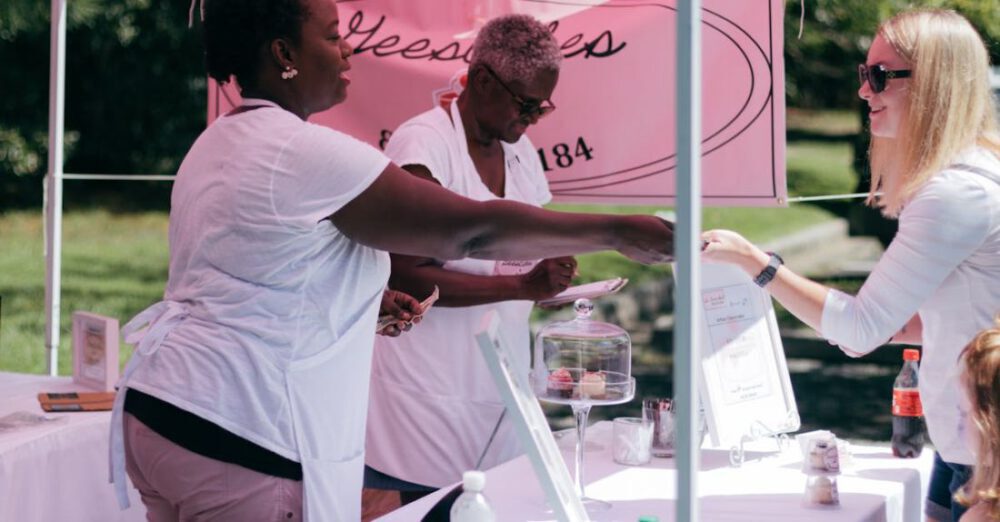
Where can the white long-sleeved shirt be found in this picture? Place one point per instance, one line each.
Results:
(944, 264)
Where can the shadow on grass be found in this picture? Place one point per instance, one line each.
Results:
(851, 399)
(792, 135)
(95, 269)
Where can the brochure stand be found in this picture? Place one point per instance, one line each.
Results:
(758, 430)
(744, 383)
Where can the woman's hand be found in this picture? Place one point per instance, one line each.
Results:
(646, 239)
(548, 278)
(403, 307)
(726, 246)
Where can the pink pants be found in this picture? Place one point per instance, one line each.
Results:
(177, 484)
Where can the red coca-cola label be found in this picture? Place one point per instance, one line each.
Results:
(906, 403)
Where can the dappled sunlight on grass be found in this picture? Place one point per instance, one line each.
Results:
(757, 224)
(113, 265)
(820, 168)
(116, 264)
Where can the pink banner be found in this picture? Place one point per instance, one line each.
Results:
(612, 140)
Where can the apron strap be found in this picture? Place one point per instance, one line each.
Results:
(146, 332)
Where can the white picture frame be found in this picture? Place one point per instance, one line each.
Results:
(745, 387)
(95, 351)
(530, 424)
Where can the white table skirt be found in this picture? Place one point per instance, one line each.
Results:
(769, 486)
(56, 471)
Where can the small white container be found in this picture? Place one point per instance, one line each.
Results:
(632, 440)
(821, 492)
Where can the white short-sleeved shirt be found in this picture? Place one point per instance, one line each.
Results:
(945, 264)
(271, 290)
(433, 401)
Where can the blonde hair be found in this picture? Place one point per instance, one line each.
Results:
(949, 107)
(981, 360)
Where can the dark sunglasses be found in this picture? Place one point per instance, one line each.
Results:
(526, 108)
(878, 75)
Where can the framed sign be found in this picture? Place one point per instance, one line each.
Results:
(530, 424)
(95, 351)
(744, 383)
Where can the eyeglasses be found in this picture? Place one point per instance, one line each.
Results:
(878, 75)
(526, 108)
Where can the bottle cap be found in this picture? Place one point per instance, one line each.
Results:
(911, 354)
(473, 480)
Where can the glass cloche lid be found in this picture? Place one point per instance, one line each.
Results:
(582, 360)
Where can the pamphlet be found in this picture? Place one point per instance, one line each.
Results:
(588, 291)
(76, 401)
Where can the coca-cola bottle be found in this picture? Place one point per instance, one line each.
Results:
(907, 412)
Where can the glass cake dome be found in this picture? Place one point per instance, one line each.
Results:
(583, 361)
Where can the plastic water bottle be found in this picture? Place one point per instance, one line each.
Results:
(907, 412)
(471, 505)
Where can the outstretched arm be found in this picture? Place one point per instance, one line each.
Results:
(800, 296)
(406, 215)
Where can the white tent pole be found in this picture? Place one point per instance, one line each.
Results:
(688, 249)
(53, 184)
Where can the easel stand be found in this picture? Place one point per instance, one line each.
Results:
(758, 430)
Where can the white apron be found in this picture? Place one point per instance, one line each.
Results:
(328, 410)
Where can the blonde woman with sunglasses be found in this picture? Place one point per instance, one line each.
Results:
(935, 159)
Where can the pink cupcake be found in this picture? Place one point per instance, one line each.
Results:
(561, 383)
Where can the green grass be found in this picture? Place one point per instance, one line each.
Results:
(116, 265)
(113, 265)
(818, 168)
(757, 224)
(823, 122)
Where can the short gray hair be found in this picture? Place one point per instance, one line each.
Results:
(516, 46)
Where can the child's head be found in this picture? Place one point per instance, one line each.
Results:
(981, 380)
(981, 366)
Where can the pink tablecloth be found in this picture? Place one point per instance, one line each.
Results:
(56, 470)
(769, 486)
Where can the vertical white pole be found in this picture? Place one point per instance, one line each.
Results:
(688, 249)
(53, 184)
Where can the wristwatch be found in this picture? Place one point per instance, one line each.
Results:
(767, 274)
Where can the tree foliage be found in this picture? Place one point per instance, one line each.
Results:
(821, 66)
(136, 99)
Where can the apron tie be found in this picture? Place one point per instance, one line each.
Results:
(146, 333)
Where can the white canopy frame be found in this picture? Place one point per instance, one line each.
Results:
(687, 240)
(53, 184)
(53, 197)
(687, 250)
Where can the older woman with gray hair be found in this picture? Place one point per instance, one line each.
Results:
(434, 409)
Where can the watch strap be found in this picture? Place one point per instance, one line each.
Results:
(767, 274)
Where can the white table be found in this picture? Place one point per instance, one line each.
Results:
(56, 471)
(769, 486)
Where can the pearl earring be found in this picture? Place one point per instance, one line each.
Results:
(289, 73)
